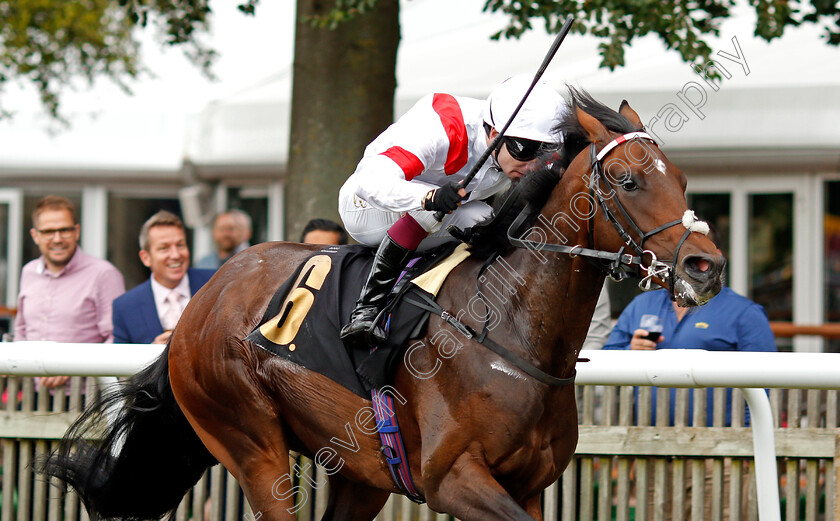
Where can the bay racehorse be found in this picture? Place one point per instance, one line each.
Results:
(483, 436)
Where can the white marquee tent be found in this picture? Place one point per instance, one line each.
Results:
(771, 128)
(782, 97)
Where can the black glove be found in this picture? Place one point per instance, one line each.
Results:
(444, 199)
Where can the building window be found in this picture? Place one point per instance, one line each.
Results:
(770, 265)
(4, 260)
(831, 293)
(716, 210)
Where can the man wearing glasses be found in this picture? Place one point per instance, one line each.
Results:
(413, 170)
(65, 294)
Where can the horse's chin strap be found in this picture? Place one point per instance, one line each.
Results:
(661, 270)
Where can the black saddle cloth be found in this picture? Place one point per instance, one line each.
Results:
(303, 319)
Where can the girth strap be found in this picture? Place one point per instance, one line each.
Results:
(392, 445)
(430, 305)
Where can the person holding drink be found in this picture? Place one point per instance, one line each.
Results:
(728, 322)
(652, 326)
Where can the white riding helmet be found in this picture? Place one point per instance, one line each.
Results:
(541, 111)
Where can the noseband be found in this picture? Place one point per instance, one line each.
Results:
(618, 263)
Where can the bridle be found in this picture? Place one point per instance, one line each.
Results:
(617, 264)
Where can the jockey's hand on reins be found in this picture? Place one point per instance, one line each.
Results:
(445, 198)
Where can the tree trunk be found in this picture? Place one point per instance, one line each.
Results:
(342, 98)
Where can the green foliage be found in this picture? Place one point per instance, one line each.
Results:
(825, 13)
(682, 25)
(52, 43)
(249, 7)
(179, 22)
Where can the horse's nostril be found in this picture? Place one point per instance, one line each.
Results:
(702, 265)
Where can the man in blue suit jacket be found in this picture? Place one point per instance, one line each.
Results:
(148, 313)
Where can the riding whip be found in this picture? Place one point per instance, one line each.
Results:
(495, 143)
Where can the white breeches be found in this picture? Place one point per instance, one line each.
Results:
(368, 225)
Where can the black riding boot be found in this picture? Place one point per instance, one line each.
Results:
(389, 262)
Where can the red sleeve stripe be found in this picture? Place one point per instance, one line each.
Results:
(453, 124)
(408, 162)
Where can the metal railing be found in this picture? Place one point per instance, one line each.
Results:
(751, 372)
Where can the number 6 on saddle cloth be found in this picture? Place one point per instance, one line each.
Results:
(302, 321)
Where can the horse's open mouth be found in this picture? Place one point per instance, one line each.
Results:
(699, 278)
(686, 295)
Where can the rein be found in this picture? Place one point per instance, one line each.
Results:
(527, 367)
(617, 267)
(619, 262)
(616, 259)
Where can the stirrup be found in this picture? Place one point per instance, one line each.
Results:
(363, 329)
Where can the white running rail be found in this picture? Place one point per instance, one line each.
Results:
(751, 372)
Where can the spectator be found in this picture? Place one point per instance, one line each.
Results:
(149, 312)
(231, 233)
(65, 294)
(601, 325)
(728, 322)
(323, 231)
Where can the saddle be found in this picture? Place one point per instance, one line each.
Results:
(306, 313)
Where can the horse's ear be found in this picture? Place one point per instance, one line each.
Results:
(630, 114)
(595, 130)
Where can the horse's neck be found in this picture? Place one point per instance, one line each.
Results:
(552, 311)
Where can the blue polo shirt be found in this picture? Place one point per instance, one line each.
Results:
(728, 322)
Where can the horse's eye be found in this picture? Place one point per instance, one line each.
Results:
(629, 185)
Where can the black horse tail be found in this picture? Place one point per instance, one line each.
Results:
(147, 459)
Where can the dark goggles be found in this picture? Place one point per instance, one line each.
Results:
(523, 149)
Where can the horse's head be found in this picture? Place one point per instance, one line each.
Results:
(637, 201)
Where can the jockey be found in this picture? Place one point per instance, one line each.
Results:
(413, 170)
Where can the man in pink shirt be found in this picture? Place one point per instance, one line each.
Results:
(65, 295)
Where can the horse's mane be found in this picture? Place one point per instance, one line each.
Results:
(536, 186)
(533, 189)
(576, 138)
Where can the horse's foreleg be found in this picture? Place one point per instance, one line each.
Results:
(533, 506)
(468, 492)
(351, 501)
(270, 487)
